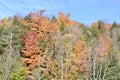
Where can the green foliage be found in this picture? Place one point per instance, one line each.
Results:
(1, 29)
(43, 44)
(114, 67)
(44, 78)
(28, 17)
(100, 24)
(16, 22)
(1, 42)
(20, 74)
(114, 25)
(94, 32)
(62, 26)
(1, 48)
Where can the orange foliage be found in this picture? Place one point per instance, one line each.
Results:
(41, 24)
(108, 26)
(41, 29)
(31, 50)
(105, 26)
(65, 21)
(103, 48)
(83, 57)
(5, 22)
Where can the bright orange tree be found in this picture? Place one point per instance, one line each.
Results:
(64, 20)
(41, 24)
(40, 30)
(31, 50)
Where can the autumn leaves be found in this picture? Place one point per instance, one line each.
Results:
(58, 48)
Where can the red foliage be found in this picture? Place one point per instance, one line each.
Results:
(31, 50)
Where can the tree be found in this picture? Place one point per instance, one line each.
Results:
(99, 62)
(64, 21)
(20, 74)
(10, 56)
(40, 31)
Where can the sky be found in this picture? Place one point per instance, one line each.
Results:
(84, 11)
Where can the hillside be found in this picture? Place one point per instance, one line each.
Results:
(41, 47)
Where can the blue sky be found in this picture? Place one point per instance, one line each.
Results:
(84, 11)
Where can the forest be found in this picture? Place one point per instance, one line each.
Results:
(42, 47)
